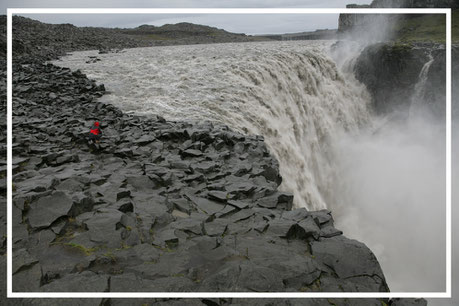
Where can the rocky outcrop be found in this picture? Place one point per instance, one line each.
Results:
(391, 71)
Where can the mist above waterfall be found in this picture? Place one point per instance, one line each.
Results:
(392, 196)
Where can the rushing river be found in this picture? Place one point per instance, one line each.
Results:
(383, 181)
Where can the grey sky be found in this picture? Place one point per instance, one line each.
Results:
(250, 24)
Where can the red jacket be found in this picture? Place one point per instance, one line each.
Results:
(95, 129)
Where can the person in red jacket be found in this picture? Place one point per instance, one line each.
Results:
(95, 133)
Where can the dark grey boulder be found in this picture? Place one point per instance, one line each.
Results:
(191, 153)
(215, 228)
(38, 183)
(78, 282)
(144, 140)
(238, 204)
(225, 279)
(81, 203)
(279, 228)
(123, 193)
(27, 279)
(220, 196)
(256, 278)
(144, 252)
(71, 185)
(268, 202)
(188, 225)
(296, 214)
(102, 227)
(311, 229)
(176, 283)
(129, 282)
(329, 231)
(241, 215)
(167, 238)
(322, 216)
(125, 205)
(47, 209)
(205, 205)
(141, 182)
(340, 254)
(22, 260)
(181, 204)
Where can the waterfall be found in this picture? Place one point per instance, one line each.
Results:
(292, 93)
(417, 98)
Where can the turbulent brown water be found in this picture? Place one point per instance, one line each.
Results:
(384, 181)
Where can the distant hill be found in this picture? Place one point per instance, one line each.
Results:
(185, 33)
(47, 41)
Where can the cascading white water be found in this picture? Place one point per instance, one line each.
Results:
(417, 98)
(290, 92)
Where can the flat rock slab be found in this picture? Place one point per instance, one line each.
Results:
(207, 206)
(78, 282)
(59, 260)
(28, 280)
(129, 282)
(22, 259)
(216, 227)
(259, 279)
(188, 224)
(102, 227)
(347, 257)
(47, 209)
(280, 228)
(141, 182)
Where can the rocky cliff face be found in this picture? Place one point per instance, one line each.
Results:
(391, 69)
(391, 72)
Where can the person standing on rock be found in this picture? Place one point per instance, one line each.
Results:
(95, 133)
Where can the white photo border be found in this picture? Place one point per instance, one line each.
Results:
(11, 294)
